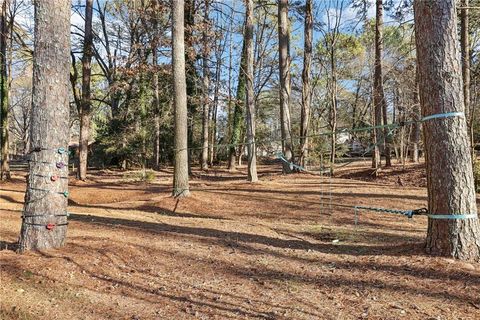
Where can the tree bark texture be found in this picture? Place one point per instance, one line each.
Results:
(285, 86)
(206, 90)
(86, 103)
(416, 129)
(44, 223)
(306, 86)
(465, 54)
(180, 178)
(333, 110)
(238, 111)
(378, 92)
(191, 73)
(250, 94)
(206, 87)
(216, 96)
(156, 101)
(4, 90)
(449, 171)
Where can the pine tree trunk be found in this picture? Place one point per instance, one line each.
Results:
(44, 223)
(450, 181)
(4, 90)
(465, 54)
(180, 178)
(306, 87)
(378, 94)
(191, 74)
(250, 94)
(285, 89)
(206, 87)
(85, 106)
(376, 160)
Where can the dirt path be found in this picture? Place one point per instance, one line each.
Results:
(279, 249)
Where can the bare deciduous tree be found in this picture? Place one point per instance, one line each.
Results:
(285, 85)
(85, 105)
(4, 89)
(206, 87)
(250, 94)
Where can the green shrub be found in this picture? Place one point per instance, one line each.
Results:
(139, 176)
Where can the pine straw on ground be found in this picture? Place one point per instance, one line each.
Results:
(408, 174)
(279, 249)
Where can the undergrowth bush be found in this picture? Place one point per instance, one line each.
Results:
(140, 176)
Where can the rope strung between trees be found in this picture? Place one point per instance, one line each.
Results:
(411, 213)
(291, 164)
(453, 216)
(391, 126)
(443, 115)
(408, 213)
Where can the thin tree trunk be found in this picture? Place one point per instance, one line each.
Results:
(398, 107)
(4, 90)
(250, 94)
(44, 223)
(376, 161)
(238, 110)
(285, 89)
(191, 74)
(216, 97)
(355, 106)
(206, 87)
(416, 126)
(306, 87)
(85, 106)
(378, 94)
(156, 101)
(180, 175)
(241, 148)
(408, 143)
(451, 188)
(213, 132)
(231, 163)
(333, 110)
